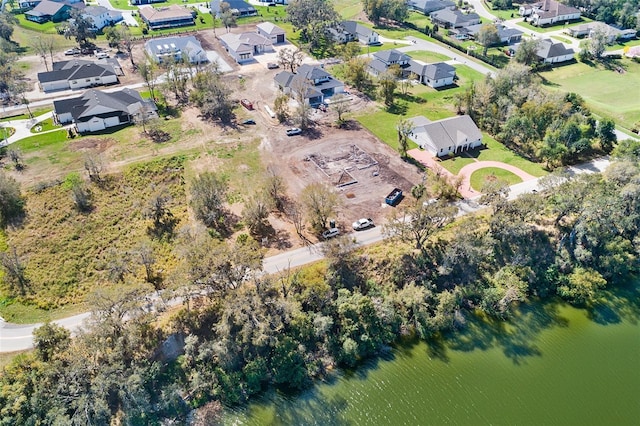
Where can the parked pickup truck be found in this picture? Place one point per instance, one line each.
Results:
(394, 197)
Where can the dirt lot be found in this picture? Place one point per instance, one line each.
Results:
(353, 161)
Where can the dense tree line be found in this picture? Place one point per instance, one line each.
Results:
(552, 127)
(246, 332)
(620, 12)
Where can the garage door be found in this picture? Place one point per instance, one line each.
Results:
(280, 38)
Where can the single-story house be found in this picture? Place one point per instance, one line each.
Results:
(28, 4)
(447, 136)
(507, 35)
(313, 81)
(243, 46)
(435, 75)
(167, 17)
(96, 110)
(77, 74)
(612, 33)
(448, 18)
(177, 48)
(552, 52)
(428, 6)
(238, 7)
(100, 16)
(46, 11)
(549, 12)
(271, 31)
(348, 31)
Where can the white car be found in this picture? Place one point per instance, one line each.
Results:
(363, 223)
(330, 233)
(293, 131)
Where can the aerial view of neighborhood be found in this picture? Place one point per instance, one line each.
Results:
(319, 212)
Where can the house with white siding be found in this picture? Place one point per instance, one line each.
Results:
(447, 136)
(77, 74)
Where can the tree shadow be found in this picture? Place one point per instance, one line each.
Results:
(616, 305)
(313, 133)
(398, 108)
(350, 125)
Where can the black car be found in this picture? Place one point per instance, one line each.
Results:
(249, 121)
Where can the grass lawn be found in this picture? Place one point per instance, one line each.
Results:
(580, 21)
(24, 116)
(482, 176)
(503, 14)
(428, 57)
(24, 37)
(421, 100)
(348, 9)
(628, 43)
(607, 92)
(562, 39)
(37, 142)
(495, 151)
(45, 28)
(45, 126)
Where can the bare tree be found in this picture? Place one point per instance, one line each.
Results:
(93, 165)
(147, 259)
(126, 42)
(320, 203)
(15, 155)
(275, 187)
(281, 107)
(148, 70)
(341, 105)
(302, 117)
(14, 270)
(291, 59)
(255, 213)
(44, 46)
(159, 212)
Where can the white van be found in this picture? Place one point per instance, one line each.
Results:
(102, 55)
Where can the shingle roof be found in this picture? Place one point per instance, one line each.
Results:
(454, 17)
(240, 6)
(435, 71)
(391, 56)
(552, 8)
(352, 27)
(76, 69)
(312, 72)
(173, 44)
(244, 42)
(547, 48)
(378, 65)
(46, 7)
(95, 10)
(428, 6)
(103, 104)
(448, 132)
(152, 14)
(270, 28)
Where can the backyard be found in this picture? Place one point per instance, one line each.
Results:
(611, 90)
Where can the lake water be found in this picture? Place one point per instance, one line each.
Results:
(554, 365)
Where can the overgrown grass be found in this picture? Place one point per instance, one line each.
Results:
(494, 151)
(608, 93)
(482, 176)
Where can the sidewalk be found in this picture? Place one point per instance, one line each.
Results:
(23, 128)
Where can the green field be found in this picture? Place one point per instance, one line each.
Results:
(428, 57)
(608, 93)
(528, 26)
(482, 176)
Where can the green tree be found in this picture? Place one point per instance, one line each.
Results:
(290, 59)
(487, 37)
(81, 29)
(356, 73)
(527, 51)
(606, 134)
(281, 107)
(348, 51)
(582, 285)
(208, 194)
(405, 128)
(312, 18)
(320, 203)
(50, 339)
(11, 200)
(388, 84)
(157, 209)
(226, 15)
(213, 96)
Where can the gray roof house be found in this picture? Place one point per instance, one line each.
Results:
(383, 59)
(240, 8)
(243, 46)
(100, 16)
(552, 52)
(49, 11)
(507, 35)
(77, 74)
(177, 48)
(612, 33)
(454, 18)
(447, 136)
(96, 110)
(272, 32)
(435, 75)
(316, 83)
(348, 31)
(428, 6)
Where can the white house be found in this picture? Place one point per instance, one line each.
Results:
(100, 16)
(435, 75)
(348, 31)
(271, 31)
(448, 136)
(177, 48)
(243, 46)
(96, 110)
(551, 52)
(549, 12)
(77, 74)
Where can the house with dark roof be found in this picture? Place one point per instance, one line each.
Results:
(100, 16)
(176, 49)
(167, 17)
(428, 6)
(549, 12)
(77, 74)
(552, 52)
(383, 59)
(243, 46)
(238, 7)
(507, 35)
(611, 33)
(271, 31)
(348, 31)
(29, 4)
(311, 82)
(448, 18)
(447, 136)
(46, 11)
(96, 110)
(141, 2)
(435, 75)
